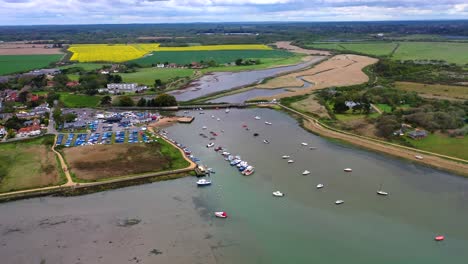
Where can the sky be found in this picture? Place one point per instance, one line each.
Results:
(35, 12)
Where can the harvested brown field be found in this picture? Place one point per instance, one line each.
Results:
(436, 91)
(107, 161)
(287, 46)
(19, 48)
(340, 70)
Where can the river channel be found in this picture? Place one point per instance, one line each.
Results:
(305, 226)
(223, 81)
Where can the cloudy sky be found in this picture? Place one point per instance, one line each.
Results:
(29, 12)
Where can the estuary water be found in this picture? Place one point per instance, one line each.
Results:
(305, 226)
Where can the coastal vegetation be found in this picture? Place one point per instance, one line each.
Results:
(28, 164)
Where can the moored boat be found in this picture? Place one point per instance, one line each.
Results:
(306, 172)
(439, 238)
(320, 186)
(290, 161)
(220, 214)
(248, 171)
(203, 182)
(257, 117)
(348, 170)
(210, 145)
(382, 193)
(304, 144)
(268, 123)
(419, 157)
(204, 127)
(338, 202)
(278, 194)
(285, 157)
(266, 141)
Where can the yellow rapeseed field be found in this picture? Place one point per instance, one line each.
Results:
(126, 52)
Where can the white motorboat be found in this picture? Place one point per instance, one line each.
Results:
(212, 116)
(210, 145)
(337, 202)
(382, 193)
(248, 171)
(257, 118)
(419, 157)
(203, 182)
(266, 141)
(227, 110)
(304, 144)
(320, 186)
(218, 119)
(306, 172)
(348, 170)
(204, 127)
(285, 157)
(268, 123)
(290, 161)
(278, 194)
(220, 214)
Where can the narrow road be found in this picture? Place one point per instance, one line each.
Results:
(448, 163)
(376, 109)
(63, 164)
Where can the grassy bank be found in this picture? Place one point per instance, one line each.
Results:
(79, 100)
(28, 164)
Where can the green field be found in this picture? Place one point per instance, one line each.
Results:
(22, 63)
(147, 76)
(79, 100)
(455, 147)
(220, 56)
(452, 52)
(449, 91)
(28, 164)
(371, 48)
(265, 63)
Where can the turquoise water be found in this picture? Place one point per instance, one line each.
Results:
(306, 226)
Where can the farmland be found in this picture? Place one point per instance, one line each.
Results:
(99, 162)
(147, 76)
(435, 90)
(21, 63)
(451, 52)
(124, 52)
(443, 144)
(28, 164)
(219, 56)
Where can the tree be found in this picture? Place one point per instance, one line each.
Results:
(106, 100)
(340, 105)
(386, 125)
(70, 117)
(11, 133)
(51, 97)
(239, 62)
(126, 101)
(141, 102)
(157, 83)
(23, 96)
(14, 123)
(165, 100)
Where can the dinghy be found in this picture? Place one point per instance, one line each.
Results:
(320, 186)
(220, 214)
(290, 161)
(348, 170)
(278, 194)
(285, 157)
(419, 157)
(210, 145)
(338, 202)
(257, 118)
(306, 172)
(268, 123)
(304, 144)
(266, 141)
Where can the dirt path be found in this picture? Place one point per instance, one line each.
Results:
(431, 159)
(64, 166)
(376, 109)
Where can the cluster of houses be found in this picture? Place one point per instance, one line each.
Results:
(408, 130)
(121, 88)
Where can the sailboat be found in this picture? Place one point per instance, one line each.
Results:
(380, 192)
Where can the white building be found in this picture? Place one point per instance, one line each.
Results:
(117, 88)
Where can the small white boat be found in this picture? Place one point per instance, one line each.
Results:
(419, 157)
(227, 110)
(306, 172)
(337, 202)
(290, 161)
(268, 123)
(266, 141)
(212, 116)
(218, 119)
(204, 127)
(210, 145)
(382, 193)
(304, 144)
(203, 182)
(248, 171)
(320, 186)
(278, 194)
(285, 157)
(348, 170)
(220, 214)
(257, 118)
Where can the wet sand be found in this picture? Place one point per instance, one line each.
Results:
(121, 226)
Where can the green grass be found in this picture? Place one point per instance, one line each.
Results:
(177, 159)
(24, 164)
(220, 56)
(384, 108)
(265, 63)
(79, 100)
(371, 48)
(147, 76)
(22, 63)
(85, 66)
(452, 52)
(455, 147)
